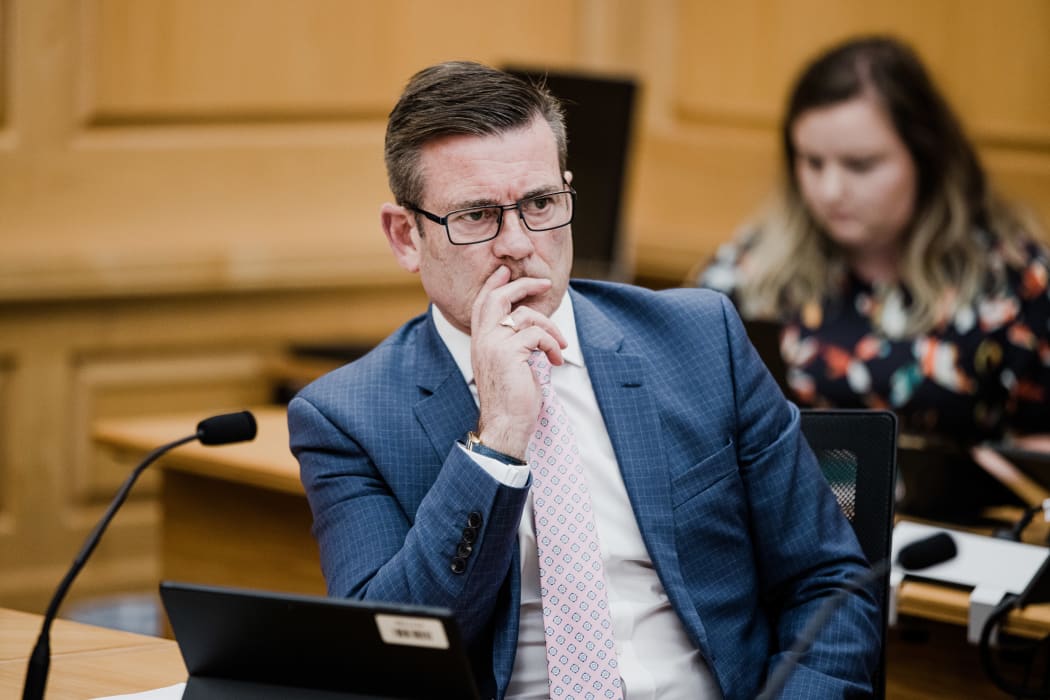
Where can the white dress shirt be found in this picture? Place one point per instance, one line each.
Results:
(656, 658)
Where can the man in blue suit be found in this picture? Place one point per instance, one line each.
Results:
(718, 535)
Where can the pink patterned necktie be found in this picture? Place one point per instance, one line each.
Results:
(577, 626)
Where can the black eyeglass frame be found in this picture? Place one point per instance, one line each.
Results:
(443, 220)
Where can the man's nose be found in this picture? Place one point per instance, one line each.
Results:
(514, 240)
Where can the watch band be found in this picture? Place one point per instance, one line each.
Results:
(474, 444)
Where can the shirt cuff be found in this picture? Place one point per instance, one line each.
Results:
(513, 475)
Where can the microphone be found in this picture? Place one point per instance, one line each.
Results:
(226, 428)
(217, 430)
(929, 551)
(921, 554)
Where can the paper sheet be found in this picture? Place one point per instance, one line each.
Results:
(172, 692)
(981, 561)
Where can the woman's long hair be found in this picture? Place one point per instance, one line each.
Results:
(944, 264)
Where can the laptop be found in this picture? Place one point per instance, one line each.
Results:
(240, 643)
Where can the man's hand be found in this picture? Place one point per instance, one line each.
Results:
(508, 394)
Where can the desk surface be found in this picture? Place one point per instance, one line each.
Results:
(265, 461)
(86, 661)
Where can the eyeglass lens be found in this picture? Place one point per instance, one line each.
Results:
(541, 213)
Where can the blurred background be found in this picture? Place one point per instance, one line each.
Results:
(189, 194)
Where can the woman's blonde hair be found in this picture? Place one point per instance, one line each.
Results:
(957, 219)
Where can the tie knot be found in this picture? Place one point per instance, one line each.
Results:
(540, 367)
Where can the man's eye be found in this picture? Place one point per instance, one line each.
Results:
(475, 216)
(539, 205)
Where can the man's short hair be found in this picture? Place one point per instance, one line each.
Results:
(461, 98)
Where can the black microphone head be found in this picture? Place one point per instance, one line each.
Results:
(929, 551)
(227, 428)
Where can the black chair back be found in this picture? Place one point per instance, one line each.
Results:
(857, 451)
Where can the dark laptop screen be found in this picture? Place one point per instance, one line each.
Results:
(237, 641)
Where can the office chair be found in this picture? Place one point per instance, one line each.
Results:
(857, 451)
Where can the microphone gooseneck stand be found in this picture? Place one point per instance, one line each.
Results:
(217, 430)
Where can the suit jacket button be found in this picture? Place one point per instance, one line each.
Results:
(459, 565)
(464, 550)
(474, 519)
(470, 535)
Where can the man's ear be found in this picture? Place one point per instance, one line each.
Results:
(399, 225)
(567, 176)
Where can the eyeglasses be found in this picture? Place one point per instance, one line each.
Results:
(543, 212)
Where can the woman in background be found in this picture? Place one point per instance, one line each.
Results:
(901, 280)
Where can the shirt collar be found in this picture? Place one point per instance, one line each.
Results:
(458, 342)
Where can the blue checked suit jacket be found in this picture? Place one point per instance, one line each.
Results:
(740, 525)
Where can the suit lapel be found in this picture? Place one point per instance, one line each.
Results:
(623, 387)
(445, 408)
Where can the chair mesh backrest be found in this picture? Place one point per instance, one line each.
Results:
(857, 451)
(840, 469)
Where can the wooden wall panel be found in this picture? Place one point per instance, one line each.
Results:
(193, 145)
(144, 215)
(8, 487)
(425, 32)
(996, 68)
(155, 60)
(1025, 175)
(980, 53)
(138, 381)
(5, 41)
(737, 59)
(693, 190)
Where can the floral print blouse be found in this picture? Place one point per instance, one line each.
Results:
(984, 373)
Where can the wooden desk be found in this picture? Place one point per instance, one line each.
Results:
(86, 661)
(942, 604)
(232, 515)
(237, 515)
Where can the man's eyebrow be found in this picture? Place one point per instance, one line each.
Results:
(543, 190)
(472, 203)
(488, 202)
